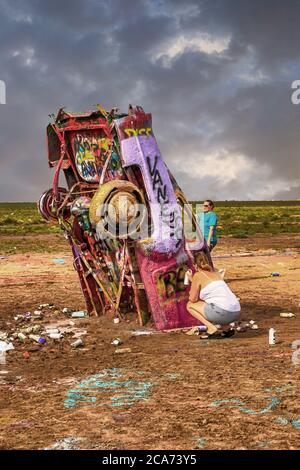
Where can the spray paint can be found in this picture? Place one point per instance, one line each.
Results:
(186, 277)
(116, 342)
(287, 314)
(50, 331)
(21, 337)
(34, 338)
(55, 335)
(77, 343)
(272, 336)
(79, 314)
(202, 328)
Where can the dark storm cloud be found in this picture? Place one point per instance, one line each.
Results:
(215, 74)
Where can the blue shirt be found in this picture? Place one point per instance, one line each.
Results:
(206, 220)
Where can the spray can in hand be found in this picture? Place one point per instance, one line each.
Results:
(187, 277)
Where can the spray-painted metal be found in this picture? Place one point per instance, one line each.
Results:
(117, 182)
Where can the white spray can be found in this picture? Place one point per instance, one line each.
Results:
(186, 277)
(272, 336)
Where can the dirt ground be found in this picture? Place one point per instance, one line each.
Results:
(172, 391)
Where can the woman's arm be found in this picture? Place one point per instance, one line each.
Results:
(210, 234)
(195, 288)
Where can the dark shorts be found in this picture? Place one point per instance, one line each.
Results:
(219, 316)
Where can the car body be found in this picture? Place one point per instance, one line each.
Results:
(122, 213)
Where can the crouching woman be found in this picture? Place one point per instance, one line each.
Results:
(211, 300)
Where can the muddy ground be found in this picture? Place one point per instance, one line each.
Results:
(172, 391)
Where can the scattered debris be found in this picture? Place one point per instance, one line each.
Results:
(116, 342)
(123, 351)
(116, 320)
(59, 260)
(77, 343)
(26, 355)
(79, 314)
(4, 347)
(55, 335)
(287, 315)
(142, 332)
(68, 443)
(272, 336)
(275, 274)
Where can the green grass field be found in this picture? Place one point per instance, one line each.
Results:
(237, 218)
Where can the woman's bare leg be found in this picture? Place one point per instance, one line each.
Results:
(196, 309)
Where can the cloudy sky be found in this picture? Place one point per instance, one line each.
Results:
(216, 75)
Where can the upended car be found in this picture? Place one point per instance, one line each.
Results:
(131, 230)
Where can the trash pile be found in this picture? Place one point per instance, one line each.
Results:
(240, 327)
(38, 328)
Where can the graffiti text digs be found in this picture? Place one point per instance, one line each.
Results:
(2, 92)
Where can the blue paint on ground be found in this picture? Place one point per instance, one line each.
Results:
(107, 389)
(295, 423)
(281, 420)
(201, 443)
(237, 403)
(59, 261)
(280, 389)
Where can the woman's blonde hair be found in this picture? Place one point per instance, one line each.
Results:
(202, 262)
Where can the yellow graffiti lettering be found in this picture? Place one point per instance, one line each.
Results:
(135, 132)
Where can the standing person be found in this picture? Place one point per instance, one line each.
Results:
(211, 300)
(208, 221)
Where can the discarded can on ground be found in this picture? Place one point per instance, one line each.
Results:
(116, 342)
(275, 274)
(241, 329)
(272, 336)
(36, 328)
(42, 340)
(116, 320)
(51, 331)
(287, 314)
(77, 343)
(55, 335)
(79, 314)
(122, 351)
(34, 338)
(202, 328)
(28, 330)
(21, 337)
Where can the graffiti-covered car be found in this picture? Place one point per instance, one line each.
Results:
(131, 231)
